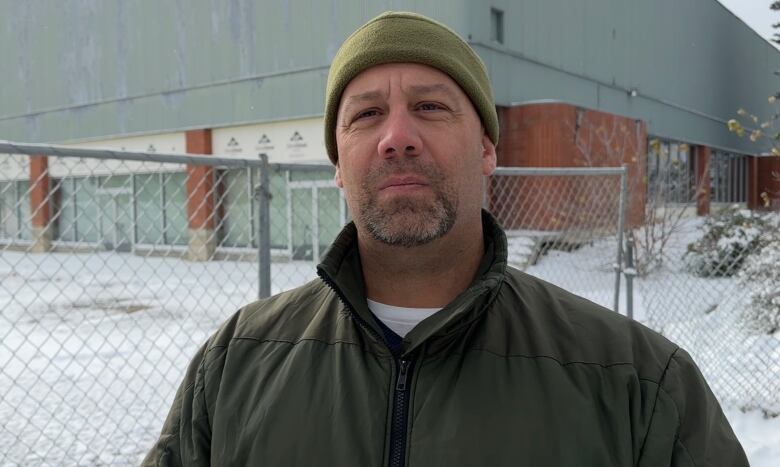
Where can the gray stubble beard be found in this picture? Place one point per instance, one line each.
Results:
(409, 222)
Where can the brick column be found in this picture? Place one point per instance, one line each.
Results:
(40, 211)
(703, 187)
(767, 188)
(200, 199)
(753, 197)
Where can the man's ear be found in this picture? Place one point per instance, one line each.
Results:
(337, 177)
(488, 155)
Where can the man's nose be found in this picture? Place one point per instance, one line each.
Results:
(401, 136)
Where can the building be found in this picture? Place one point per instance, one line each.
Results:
(647, 83)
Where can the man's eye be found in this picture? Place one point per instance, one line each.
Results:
(366, 114)
(429, 106)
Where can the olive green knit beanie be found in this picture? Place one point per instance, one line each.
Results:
(395, 37)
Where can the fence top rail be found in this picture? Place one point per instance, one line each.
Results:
(31, 149)
(307, 166)
(9, 147)
(557, 171)
(34, 149)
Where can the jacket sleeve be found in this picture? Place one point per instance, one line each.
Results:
(688, 427)
(186, 433)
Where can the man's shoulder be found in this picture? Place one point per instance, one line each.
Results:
(549, 321)
(310, 311)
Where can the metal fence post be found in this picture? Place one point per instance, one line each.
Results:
(621, 226)
(263, 194)
(630, 272)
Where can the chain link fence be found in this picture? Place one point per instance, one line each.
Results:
(115, 267)
(711, 282)
(564, 225)
(716, 293)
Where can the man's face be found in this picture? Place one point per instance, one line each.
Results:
(412, 151)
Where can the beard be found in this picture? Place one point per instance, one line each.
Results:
(408, 221)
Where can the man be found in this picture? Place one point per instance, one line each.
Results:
(418, 345)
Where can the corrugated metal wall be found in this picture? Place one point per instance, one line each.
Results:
(691, 62)
(80, 69)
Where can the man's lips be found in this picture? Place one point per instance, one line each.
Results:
(407, 181)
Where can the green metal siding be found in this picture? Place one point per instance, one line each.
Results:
(85, 69)
(692, 62)
(80, 69)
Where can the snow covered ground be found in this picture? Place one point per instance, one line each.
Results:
(760, 436)
(93, 346)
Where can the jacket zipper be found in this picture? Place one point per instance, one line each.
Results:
(400, 414)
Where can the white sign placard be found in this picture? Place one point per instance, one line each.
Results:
(287, 141)
(169, 143)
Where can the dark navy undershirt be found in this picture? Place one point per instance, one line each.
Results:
(394, 341)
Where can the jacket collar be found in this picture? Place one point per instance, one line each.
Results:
(341, 270)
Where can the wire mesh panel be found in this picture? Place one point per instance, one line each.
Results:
(119, 276)
(113, 270)
(115, 267)
(562, 225)
(307, 211)
(716, 294)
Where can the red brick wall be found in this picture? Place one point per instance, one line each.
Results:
(764, 183)
(563, 135)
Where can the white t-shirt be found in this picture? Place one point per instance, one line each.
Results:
(400, 319)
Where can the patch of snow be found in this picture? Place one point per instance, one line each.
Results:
(587, 271)
(759, 435)
(93, 347)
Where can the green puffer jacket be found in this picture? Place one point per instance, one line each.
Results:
(514, 372)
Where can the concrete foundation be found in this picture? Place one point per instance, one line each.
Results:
(41, 240)
(202, 244)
